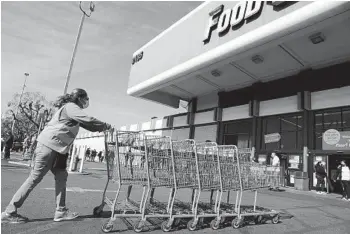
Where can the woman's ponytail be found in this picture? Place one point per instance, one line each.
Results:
(62, 100)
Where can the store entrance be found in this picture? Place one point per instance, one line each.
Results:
(333, 163)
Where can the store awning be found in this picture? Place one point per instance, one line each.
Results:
(273, 43)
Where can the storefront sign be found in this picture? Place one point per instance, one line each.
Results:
(137, 58)
(273, 137)
(334, 140)
(223, 21)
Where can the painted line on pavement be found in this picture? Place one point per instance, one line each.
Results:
(81, 190)
(19, 163)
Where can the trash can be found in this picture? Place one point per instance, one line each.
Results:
(301, 181)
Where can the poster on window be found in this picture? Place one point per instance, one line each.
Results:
(332, 139)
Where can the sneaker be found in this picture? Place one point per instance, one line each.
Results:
(12, 218)
(344, 198)
(65, 215)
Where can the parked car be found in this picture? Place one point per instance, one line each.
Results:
(17, 146)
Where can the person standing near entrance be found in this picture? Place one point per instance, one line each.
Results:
(320, 176)
(275, 163)
(343, 174)
(51, 153)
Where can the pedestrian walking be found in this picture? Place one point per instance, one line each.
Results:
(320, 176)
(87, 154)
(26, 144)
(51, 154)
(343, 174)
(99, 156)
(93, 155)
(8, 145)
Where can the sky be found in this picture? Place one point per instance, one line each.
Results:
(38, 38)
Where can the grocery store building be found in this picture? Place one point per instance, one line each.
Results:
(261, 75)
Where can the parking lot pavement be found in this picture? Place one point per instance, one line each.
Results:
(301, 212)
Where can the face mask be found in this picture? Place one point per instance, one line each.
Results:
(85, 103)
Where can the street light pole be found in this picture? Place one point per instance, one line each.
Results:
(19, 102)
(92, 8)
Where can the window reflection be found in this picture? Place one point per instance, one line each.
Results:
(338, 119)
(290, 129)
(238, 133)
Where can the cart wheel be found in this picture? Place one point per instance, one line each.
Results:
(258, 219)
(276, 219)
(107, 227)
(97, 211)
(214, 224)
(191, 225)
(165, 226)
(237, 222)
(138, 227)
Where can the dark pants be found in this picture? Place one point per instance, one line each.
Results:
(320, 184)
(7, 152)
(346, 188)
(343, 192)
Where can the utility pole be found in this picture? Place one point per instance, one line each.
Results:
(92, 8)
(19, 102)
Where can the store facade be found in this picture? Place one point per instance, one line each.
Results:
(270, 76)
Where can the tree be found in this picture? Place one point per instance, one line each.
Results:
(34, 108)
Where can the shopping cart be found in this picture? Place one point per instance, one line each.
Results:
(136, 159)
(125, 166)
(208, 176)
(229, 181)
(184, 177)
(254, 176)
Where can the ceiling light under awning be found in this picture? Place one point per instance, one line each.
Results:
(216, 73)
(317, 38)
(257, 59)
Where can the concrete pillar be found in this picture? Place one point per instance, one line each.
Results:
(305, 159)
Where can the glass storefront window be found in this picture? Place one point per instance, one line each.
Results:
(243, 126)
(346, 118)
(289, 140)
(338, 119)
(204, 133)
(179, 134)
(332, 120)
(319, 121)
(272, 125)
(290, 129)
(238, 133)
(289, 123)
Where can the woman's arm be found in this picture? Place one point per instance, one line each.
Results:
(89, 123)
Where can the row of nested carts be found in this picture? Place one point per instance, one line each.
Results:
(157, 163)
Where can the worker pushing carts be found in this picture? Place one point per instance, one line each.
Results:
(151, 162)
